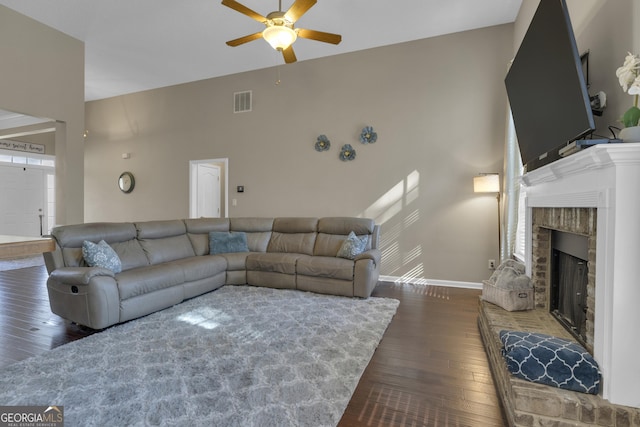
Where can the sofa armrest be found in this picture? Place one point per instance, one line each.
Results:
(366, 272)
(79, 275)
(88, 296)
(372, 254)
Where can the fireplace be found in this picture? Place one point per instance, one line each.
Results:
(563, 267)
(569, 279)
(593, 193)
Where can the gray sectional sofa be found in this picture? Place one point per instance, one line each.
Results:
(166, 262)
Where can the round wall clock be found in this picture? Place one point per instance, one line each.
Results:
(126, 182)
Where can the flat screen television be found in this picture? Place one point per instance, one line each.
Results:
(546, 87)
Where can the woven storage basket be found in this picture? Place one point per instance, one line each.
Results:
(509, 299)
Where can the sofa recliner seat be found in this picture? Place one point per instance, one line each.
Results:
(166, 262)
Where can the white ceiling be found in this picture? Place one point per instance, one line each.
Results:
(135, 45)
(11, 120)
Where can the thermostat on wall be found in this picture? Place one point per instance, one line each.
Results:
(240, 189)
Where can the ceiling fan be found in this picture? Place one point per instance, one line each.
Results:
(279, 31)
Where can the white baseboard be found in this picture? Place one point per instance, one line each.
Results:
(433, 282)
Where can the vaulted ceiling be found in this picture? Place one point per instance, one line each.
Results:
(135, 45)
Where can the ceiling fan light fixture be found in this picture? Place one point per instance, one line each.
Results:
(279, 36)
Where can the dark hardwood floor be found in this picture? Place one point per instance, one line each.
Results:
(429, 370)
(27, 325)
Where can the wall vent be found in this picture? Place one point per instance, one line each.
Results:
(242, 101)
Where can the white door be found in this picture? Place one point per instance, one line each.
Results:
(208, 191)
(22, 201)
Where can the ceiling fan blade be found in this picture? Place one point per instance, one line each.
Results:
(289, 55)
(245, 39)
(244, 10)
(298, 9)
(319, 36)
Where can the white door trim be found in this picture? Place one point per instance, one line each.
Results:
(224, 185)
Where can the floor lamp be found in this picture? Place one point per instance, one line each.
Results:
(490, 183)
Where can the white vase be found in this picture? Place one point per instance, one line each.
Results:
(630, 134)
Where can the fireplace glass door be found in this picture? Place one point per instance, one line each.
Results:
(569, 292)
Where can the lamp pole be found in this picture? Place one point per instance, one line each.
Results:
(499, 230)
(490, 183)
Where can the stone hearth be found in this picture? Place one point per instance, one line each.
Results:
(529, 404)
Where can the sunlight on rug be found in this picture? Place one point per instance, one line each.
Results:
(238, 356)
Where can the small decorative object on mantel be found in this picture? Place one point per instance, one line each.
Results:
(629, 78)
(368, 136)
(323, 143)
(347, 153)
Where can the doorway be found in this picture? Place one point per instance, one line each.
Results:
(208, 188)
(27, 188)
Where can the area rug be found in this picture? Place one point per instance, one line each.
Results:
(238, 356)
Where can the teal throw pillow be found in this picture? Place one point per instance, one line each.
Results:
(353, 246)
(101, 255)
(223, 242)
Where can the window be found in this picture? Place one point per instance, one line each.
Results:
(18, 157)
(514, 217)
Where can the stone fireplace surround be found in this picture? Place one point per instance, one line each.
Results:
(595, 192)
(605, 180)
(580, 221)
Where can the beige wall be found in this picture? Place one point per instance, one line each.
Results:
(43, 76)
(438, 106)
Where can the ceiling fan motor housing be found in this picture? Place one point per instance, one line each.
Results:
(278, 19)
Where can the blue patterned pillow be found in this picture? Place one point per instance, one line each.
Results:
(353, 246)
(101, 255)
(550, 360)
(224, 242)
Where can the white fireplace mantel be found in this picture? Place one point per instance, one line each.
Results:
(606, 177)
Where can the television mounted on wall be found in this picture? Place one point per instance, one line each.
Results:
(546, 87)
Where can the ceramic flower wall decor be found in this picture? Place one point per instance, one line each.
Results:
(368, 136)
(347, 153)
(323, 143)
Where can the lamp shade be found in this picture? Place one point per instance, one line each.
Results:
(486, 183)
(279, 36)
